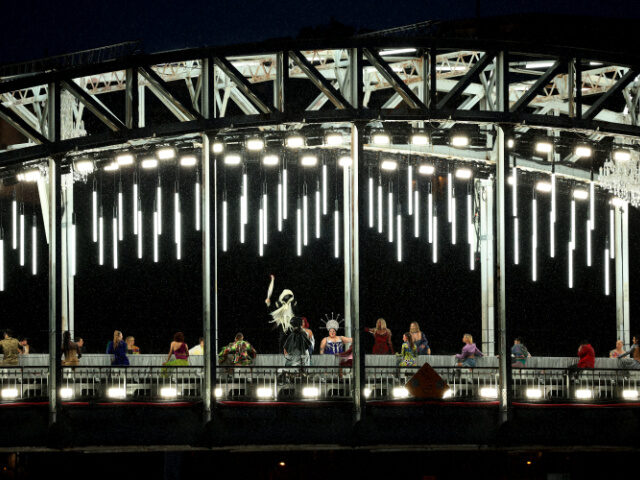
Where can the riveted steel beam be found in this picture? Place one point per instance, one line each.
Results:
(241, 83)
(319, 80)
(94, 106)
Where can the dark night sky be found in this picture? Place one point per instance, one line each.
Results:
(151, 301)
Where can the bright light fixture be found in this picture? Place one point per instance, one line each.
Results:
(400, 392)
(583, 393)
(489, 392)
(255, 144)
(344, 161)
(66, 393)
(232, 159)
(217, 147)
(9, 393)
(295, 142)
(622, 155)
(309, 161)
(380, 139)
(270, 160)
(389, 165)
(168, 392)
(334, 139)
(124, 159)
(534, 393)
(426, 169)
(460, 141)
(396, 51)
(538, 64)
(580, 194)
(510, 143)
(84, 166)
(112, 167)
(149, 163)
(367, 392)
(218, 392)
(116, 392)
(265, 392)
(188, 161)
(544, 187)
(29, 176)
(583, 151)
(617, 202)
(544, 147)
(630, 394)
(166, 153)
(310, 392)
(464, 173)
(420, 139)
(448, 394)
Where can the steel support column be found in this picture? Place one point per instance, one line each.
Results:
(352, 261)
(209, 343)
(55, 292)
(621, 234)
(484, 189)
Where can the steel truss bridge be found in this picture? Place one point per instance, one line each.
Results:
(191, 99)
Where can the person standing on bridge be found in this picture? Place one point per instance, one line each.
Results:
(118, 348)
(10, 348)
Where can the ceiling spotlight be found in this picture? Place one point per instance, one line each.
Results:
(419, 139)
(255, 144)
(29, 176)
(232, 159)
(380, 139)
(334, 139)
(188, 161)
(295, 142)
(617, 202)
(460, 141)
(510, 143)
(580, 194)
(389, 165)
(426, 169)
(84, 166)
(124, 159)
(544, 187)
(344, 161)
(217, 147)
(544, 147)
(622, 155)
(464, 173)
(149, 163)
(113, 166)
(166, 153)
(270, 160)
(583, 151)
(309, 161)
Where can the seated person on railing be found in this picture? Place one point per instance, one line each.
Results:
(179, 350)
(618, 351)
(382, 338)
(198, 349)
(467, 358)
(419, 339)
(118, 348)
(519, 353)
(131, 347)
(586, 359)
(633, 353)
(241, 352)
(11, 349)
(26, 348)
(408, 356)
(71, 350)
(296, 346)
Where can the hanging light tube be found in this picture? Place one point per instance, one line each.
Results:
(514, 192)
(260, 231)
(135, 204)
(606, 270)
(410, 189)
(434, 247)
(224, 222)
(284, 193)
(120, 213)
(245, 198)
(101, 237)
(416, 216)
(612, 234)
(430, 213)
(552, 218)
(324, 190)
(265, 222)
(592, 204)
(280, 204)
(298, 229)
(305, 215)
(1, 259)
(570, 253)
(14, 231)
(94, 196)
(22, 235)
(318, 210)
(534, 239)
(73, 245)
(379, 206)
(336, 230)
(140, 228)
(371, 209)
(390, 211)
(155, 236)
(453, 218)
(241, 220)
(516, 243)
(159, 205)
(470, 229)
(399, 230)
(114, 237)
(34, 245)
(197, 201)
(177, 223)
(449, 195)
(588, 243)
(573, 224)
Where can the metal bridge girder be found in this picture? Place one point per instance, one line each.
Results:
(241, 83)
(17, 122)
(94, 106)
(324, 85)
(464, 82)
(161, 90)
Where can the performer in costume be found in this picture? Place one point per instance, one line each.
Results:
(281, 312)
(334, 344)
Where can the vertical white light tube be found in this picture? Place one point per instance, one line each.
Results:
(552, 218)
(371, 209)
(245, 200)
(612, 237)
(73, 247)
(453, 220)
(324, 190)
(592, 204)
(434, 247)
(399, 229)
(570, 253)
(534, 239)
(379, 208)
(336, 231)
(606, 271)
(1, 262)
(241, 219)
(514, 192)
(390, 212)
(260, 232)
(298, 229)
(155, 237)
(94, 196)
(159, 207)
(573, 224)
(34, 247)
(120, 215)
(140, 231)
(135, 207)
(284, 193)
(588, 243)
(114, 227)
(470, 232)
(101, 238)
(177, 225)
(305, 217)
(416, 216)
(516, 242)
(449, 195)
(410, 189)
(14, 231)
(280, 206)
(265, 218)
(317, 213)
(21, 237)
(197, 203)
(430, 216)
(224, 225)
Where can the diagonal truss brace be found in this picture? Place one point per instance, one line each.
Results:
(319, 80)
(599, 104)
(21, 125)
(394, 80)
(465, 81)
(160, 89)
(94, 106)
(241, 83)
(539, 84)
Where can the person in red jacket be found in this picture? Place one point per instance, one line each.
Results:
(586, 355)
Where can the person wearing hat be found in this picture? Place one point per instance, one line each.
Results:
(334, 344)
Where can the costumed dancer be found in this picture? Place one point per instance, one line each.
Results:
(281, 312)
